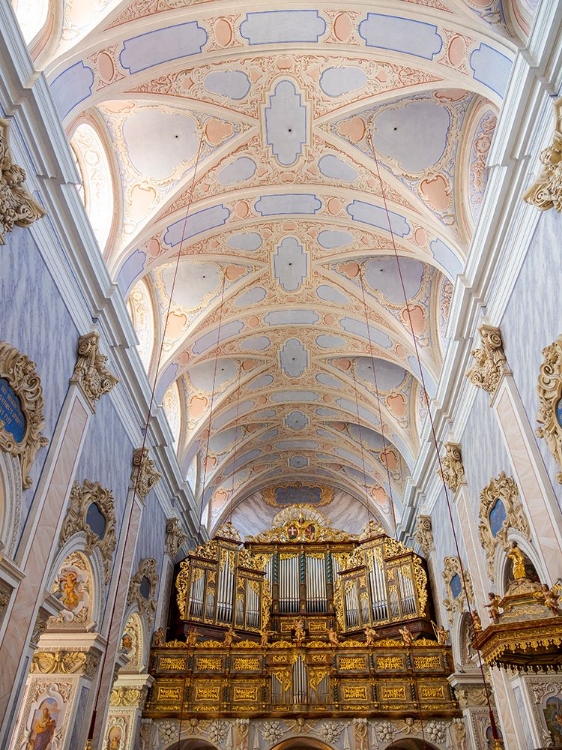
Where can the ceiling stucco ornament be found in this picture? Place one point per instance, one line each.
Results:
(142, 589)
(452, 469)
(424, 534)
(175, 537)
(144, 475)
(458, 587)
(546, 191)
(89, 504)
(16, 204)
(90, 372)
(490, 365)
(21, 416)
(549, 389)
(500, 511)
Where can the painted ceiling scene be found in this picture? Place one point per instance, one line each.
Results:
(286, 199)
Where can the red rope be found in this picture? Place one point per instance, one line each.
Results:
(495, 735)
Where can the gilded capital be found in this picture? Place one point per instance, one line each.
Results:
(546, 191)
(452, 469)
(424, 534)
(16, 204)
(175, 537)
(490, 362)
(90, 372)
(144, 476)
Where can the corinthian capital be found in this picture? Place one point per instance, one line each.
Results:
(90, 372)
(490, 362)
(16, 204)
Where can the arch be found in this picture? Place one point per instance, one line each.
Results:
(141, 310)
(32, 16)
(10, 503)
(77, 573)
(193, 743)
(96, 177)
(412, 744)
(302, 743)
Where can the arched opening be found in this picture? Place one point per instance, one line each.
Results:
(191, 744)
(302, 743)
(412, 744)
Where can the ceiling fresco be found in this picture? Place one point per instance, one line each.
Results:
(286, 198)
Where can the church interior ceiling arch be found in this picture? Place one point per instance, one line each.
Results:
(243, 169)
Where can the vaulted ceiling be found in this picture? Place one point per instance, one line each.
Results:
(286, 198)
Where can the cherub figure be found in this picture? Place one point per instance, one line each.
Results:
(370, 635)
(230, 636)
(333, 637)
(264, 642)
(476, 622)
(494, 607)
(158, 638)
(407, 637)
(550, 599)
(441, 634)
(300, 632)
(191, 640)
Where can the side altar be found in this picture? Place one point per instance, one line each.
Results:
(302, 620)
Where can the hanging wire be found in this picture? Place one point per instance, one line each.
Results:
(236, 427)
(385, 441)
(145, 429)
(495, 735)
(213, 391)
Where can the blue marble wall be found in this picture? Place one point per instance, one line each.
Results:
(532, 321)
(36, 320)
(152, 535)
(107, 455)
(443, 537)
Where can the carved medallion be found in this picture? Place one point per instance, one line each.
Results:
(549, 389)
(546, 191)
(90, 372)
(490, 364)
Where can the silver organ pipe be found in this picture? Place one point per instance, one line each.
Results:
(225, 592)
(323, 691)
(316, 594)
(406, 585)
(351, 604)
(252, 607)
(300, 682)
(197, 592)
(289, 584)
(378, 591)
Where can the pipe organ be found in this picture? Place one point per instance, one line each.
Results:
(303, 619)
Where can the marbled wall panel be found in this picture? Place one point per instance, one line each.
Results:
(107, 455)
(483, 451)
(443, 534)
(152, 534)
(35, 320)
(532, 321)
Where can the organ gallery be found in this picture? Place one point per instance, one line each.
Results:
(302, 620)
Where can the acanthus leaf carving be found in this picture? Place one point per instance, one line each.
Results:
(549, 389)
(81, 498)
(546, 191)
(16, 204)
(175, 537)
(144, 476)
(456, 602)
(424, 534)
(500, 489)
(490, 365)
(144, 600)
(452, 469)
(90, 372)
(20, 373)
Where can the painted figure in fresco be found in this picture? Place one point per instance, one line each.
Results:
(407, 637)
(517, 562)
(126, 641)
(69, 588)
(43, 731)
(114, 738)
(494, 607)
(310, 532)
(553, 716)
(230, 636)
(300, 632)
(441, 634)
(370, 635)
(333, 637)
